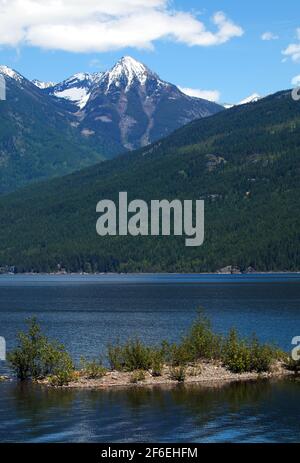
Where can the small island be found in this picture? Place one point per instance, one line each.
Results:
(200, 357)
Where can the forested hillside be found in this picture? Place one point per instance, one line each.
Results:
(244, 162)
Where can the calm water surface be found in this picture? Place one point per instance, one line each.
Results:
(87, 312)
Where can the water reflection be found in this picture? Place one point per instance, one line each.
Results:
(263, 411)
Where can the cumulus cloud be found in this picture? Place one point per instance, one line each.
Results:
(269, 36)
(103, 25)
(293, 50)
(296, 80)
(210, 95)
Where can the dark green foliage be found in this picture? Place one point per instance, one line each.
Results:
(51, 226)
(36, 357)
(40, 140)
(115, 356)
(240, 356)
(177, 354)
(262, 356)
(92, 369)
(131, 356)
(62, 378)
(236, 355)
(201, 342)
(157, 360)
(137, 356)
(178, 374)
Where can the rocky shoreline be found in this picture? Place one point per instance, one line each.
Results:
(202, 373)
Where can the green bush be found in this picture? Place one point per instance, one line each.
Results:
(137, 376)
(262, 356)
(201, 343)
(36, 357)
(178, 354)
(131, 356)
(93, 369)
(178, 374)
(115, 356)
(157, 359)
(62, 378)
(236, 354)
(137, 356)
(240, 356)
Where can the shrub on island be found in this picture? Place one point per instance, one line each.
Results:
(38, 358)
(35, 357)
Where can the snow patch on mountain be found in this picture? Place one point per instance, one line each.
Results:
(250, 99)
(79, 95)
(76, 88)
(43, 85)
(5, 70)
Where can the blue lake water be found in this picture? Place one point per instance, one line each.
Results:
(88, 312)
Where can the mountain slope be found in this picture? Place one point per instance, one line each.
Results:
(136, 107)
(50, 130)
(245, 163)
(37, 139)
(76, 89)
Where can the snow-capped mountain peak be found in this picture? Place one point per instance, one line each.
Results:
(8, 72)
(128, 106)
(43, 85)
(127, 70)
(78, 88)
(112, 97)
(126, 101)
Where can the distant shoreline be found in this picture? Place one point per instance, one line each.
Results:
(62, 274)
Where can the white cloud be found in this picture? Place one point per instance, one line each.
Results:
(296, 80)
(210, 95)
(103, 25)
(293, 50)
(269, 36)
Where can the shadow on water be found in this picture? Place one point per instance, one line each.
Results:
(248, 411)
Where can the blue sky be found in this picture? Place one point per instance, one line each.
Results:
(178, 39)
